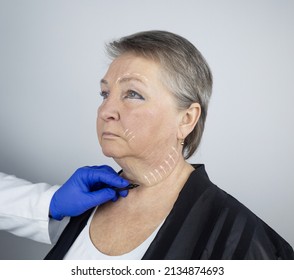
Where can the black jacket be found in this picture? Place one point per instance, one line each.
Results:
(205, 223)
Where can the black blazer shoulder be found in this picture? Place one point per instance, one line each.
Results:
(208, 223)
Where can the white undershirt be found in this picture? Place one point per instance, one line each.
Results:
(84, 249)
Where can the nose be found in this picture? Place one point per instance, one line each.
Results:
(108, 110)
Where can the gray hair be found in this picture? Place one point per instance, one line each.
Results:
(187, 74)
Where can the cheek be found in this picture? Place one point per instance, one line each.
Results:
(141, 120)
(150, 126)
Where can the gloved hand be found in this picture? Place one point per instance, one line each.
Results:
(85, 189)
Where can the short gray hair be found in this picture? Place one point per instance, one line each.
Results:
(187, 74)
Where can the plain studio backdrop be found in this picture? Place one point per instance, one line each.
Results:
(52, 59)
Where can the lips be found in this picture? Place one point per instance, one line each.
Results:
(108, 134)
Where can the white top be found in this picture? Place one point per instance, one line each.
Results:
(83, 248)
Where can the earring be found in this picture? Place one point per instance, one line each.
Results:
(182, 142)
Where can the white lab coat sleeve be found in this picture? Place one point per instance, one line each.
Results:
(24, 209)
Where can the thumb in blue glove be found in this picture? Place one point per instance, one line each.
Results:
(85, 189)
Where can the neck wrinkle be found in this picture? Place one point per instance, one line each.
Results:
(150, 175)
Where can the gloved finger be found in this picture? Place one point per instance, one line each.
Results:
(106, 175)
(115, 198)
(104, 168)
(99, 197)
(124, 193)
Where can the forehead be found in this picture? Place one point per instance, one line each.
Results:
(128, 65)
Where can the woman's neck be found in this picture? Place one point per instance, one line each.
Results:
(156, 170)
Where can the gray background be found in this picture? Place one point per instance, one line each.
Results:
(51, 61)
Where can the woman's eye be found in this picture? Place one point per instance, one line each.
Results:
(134, 95)
(104, 94)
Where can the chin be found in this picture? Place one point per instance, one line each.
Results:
(112, 152)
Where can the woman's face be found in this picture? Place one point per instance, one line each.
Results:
(138, 117)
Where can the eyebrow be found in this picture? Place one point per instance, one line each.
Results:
(123, 80)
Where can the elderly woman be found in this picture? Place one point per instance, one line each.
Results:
(155, 98)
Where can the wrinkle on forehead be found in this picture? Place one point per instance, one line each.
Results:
(131, 76)
(128, 67)
(127, 78)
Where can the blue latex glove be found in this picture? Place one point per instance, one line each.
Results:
(85, 189)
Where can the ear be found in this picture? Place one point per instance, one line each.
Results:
(188, 121)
